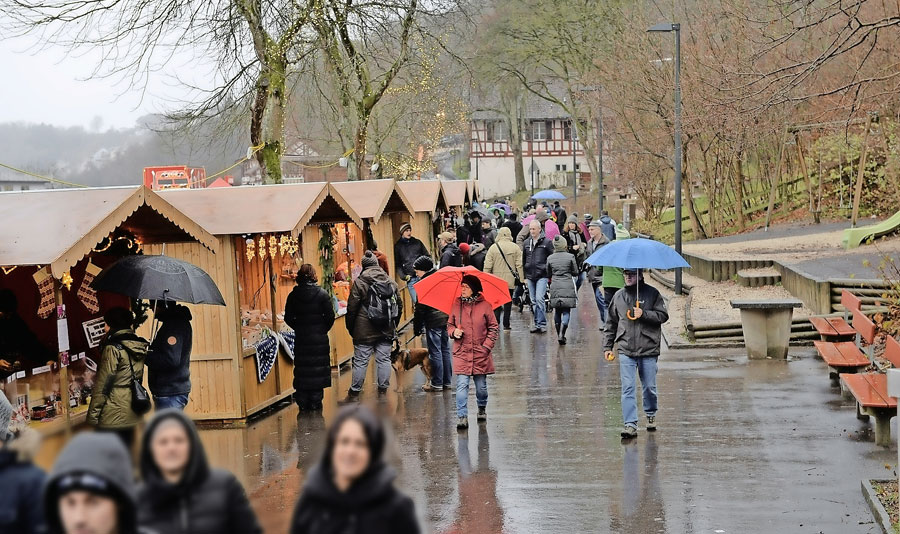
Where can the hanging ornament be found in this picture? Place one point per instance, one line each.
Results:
(86, 294)
(293, 245)
(283, 243)
(7, 270)
(251, 249)
(44, 281)
(66, 280)
(273, 246)
(262, 248)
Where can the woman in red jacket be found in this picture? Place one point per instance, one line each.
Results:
(474, 329)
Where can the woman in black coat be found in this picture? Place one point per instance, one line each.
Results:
(351, 490)
(310, 312)
(180, 493)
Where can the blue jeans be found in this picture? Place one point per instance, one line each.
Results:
(536, 291)
(362, 354)
(170, 401)
(601, 301)
(412, 291)
(579, 280)
(462, 393)
(561, 316)
(440, 356)
(646, 368)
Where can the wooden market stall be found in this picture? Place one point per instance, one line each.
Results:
(472, 191)
(264, 233)
(427, 200)
(457, 194)
(52, 243)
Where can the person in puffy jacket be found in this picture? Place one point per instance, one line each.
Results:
(450, 254)
(369, 338)
(636, 315)
(309, 311)
(473, 327)
(433, 324)
(21, 482)
(181, 493)
(351, 490)
(169, 357)
(563, 269)
(122, 360)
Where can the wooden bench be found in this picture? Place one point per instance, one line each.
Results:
(837, 328)
(847, 356)
(871, 394)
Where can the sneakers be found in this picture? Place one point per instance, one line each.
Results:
(462, 422)
(630, 431)
(433, 389)
(651, 423)
(352, 397)
(482, 415)
(534, 329)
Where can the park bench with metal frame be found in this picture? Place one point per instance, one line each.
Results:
(837, 328)
(848, 356)
(871, 394)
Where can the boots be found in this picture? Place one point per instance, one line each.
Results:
(561, 338)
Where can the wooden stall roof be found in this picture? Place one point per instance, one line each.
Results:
(372, 198)
(470, 190)
(456, 192)
(424, 195)
(259, 209)
(59, 227)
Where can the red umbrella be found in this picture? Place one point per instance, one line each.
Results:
(442, 288)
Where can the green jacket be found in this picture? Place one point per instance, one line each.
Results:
(111, 398)
(613, 277)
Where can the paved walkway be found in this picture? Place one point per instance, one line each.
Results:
(742, 447)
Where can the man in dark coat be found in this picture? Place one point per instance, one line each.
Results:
(94, 469)
(474, 227)
(181, 493)
(515, 227)
(369, 338)
(21, 505)
(561, 216)
(433, 324)
(450, 254)
(169, 358)
(636, 315)
(535, 251)
(309, 311)
(406, 250)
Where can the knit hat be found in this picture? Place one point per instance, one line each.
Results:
(588, 217)
(6, 411)
(369, 260)
(404, 227)
(473, 282)
(447, 236)
(423, 263)
(559, 244)
(572, 219)
(464, 248)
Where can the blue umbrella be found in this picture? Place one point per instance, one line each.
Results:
(548, 194)
(501, 206)
(637, 254)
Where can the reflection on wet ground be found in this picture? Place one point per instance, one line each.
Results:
(742, 446)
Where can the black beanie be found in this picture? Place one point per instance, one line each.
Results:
(369, 260)
(473, 282)
(423, 263)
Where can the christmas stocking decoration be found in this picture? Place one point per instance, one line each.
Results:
(86, 294)
(45, 288)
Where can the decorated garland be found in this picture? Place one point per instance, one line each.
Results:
(326, 257)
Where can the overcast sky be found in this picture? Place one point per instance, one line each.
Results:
(48, 87)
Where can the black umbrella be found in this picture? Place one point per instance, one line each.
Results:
(159, 278)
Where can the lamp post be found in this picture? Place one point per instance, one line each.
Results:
(600, 169)
(533, 167)
(676, 28)
(574, 164)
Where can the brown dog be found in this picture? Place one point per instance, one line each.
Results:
(409, 358)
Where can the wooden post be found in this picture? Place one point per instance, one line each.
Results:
(857, 193)
(739, 190)
(818, 213)
(805, 171)
(63, 371)
(774, 186)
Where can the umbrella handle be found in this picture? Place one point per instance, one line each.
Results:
(637, 306)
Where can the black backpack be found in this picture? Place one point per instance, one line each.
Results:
(382, 305)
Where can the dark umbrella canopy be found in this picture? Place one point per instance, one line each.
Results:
(159, 278)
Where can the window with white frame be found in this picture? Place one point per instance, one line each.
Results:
(540, 130)
(497, 131)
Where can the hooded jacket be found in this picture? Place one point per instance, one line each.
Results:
(104, 456)
(451, 256)
(205, 501)
(477, 254)
(21, 501)
(111, 398)
(562, 268)
(371, 506)
(169, 358)
(361, 330)
(472, 353)
(609, 227)
(640, 338)
(494, 263)
(405, 253)
(310, 312)
(427, 317)
(534, 256)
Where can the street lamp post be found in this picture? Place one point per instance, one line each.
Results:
(574, 164)
(532, 168)
(676, 28)
(600, 170)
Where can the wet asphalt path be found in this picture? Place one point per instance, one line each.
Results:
(742, 446)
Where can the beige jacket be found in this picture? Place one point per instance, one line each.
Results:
(494, 263)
